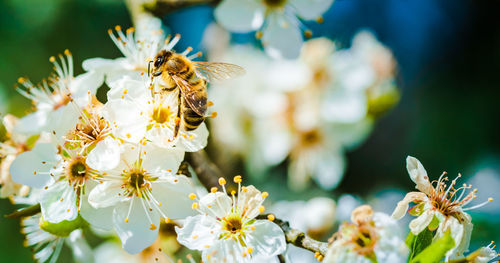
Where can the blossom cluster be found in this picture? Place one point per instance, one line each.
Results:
(307, 111)
(114, 166)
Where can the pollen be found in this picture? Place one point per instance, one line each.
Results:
(195, 206)
(271, 217)
(213, 190)
(259, 34)
(67, 53)
(265, 195)
(213, 115)
(222, 181)
(237, 179)
(320, 20)
(308, 33)
(192, 196)
(152, 227)
(262, 209)
(210, 103)
(52, 59)
(118, 28)
(126, 220)
(249, 250)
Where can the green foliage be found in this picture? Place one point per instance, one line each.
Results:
(436, 251)
(418, 243)
(63, 228)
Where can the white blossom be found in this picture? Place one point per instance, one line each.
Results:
(226, 229)
(371, 237)
(279, 21)
(439, 207)
(139, 192)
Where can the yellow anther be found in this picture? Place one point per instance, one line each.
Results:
(195, 206)
(244, 254)
(262, 209)
(194, 237)
(52, 59)
(320, 20)
(21, 80)
(118, 28)
(213, 189)
(222, 181)
(192, 196)
(233, 192)
(265, 195)
(271, 217)
(308, 33)
(490, 199)
(159, 203)
(125, 91)
(67, 53)
(237, 179)
(244, 189)
(207, 246)
(213, 115)
(258, 34)
(110, 31)
(252, 227)
(210, 103)
(130, 30)
(320, 258)
(249, 250)
(152, 227)
(167, 220)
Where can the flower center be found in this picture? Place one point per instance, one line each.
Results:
(161, 114)
(136, 182)
(89, 130)
(232, 223)
(77, 171)
(310, 138)
(275, 3)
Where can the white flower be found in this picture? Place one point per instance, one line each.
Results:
(438, 207)
(226, 229)
(58, 100)
(47, 246)
(137, 113)
(9, 149)
(372, 237)
(483, 255)
(138, 47)
(278, 20)
(140, 191)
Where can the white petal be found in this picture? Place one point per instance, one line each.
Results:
(198, 141)
(156, 159)
(198, 232)
(225, 250)
(32, 123)
(134, 90)
(106, 194)
(282, 38)
(250, 201)
(216, 204)
(420, 223)
(58, 202)
(105, 156)
(311, 9)
(85, 83)
(81, 250)
(418, 174)
(402, 206)
(345, 106)
(330, 169)
(32, 168)
(98, 218)
(267, 238)
(131, 125)
(173, 196)
(135, 234)
(240, 15)
(62, 120)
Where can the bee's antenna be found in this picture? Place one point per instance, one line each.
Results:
(149, 67)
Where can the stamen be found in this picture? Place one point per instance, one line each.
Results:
(479, 205)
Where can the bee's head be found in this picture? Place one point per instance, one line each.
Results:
(159, 60)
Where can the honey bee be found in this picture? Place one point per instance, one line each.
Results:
(190, 77)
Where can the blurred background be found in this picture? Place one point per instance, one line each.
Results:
(448, 56)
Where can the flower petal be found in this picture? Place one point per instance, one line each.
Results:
(98, 218)
(105, 194)
(58, 202)
(130, 124)
(249, 202)
(81, 250)
(32, 123)
(282, 38)
(195, 140)
(225, 250)
(137, 232)
(198, 232)
(157, 160)
(216, 204)
(32, 168)
(329, 169)
(420, 223)
(267, 238)
(105, 156)
(240, 15)
(402, 206)
(310, 9)
(85, 83)
(173, 195)
(418, 174)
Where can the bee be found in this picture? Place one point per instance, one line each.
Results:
(178, 72)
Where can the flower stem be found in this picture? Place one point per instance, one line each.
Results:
(24, 212)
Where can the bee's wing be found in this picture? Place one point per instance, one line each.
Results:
(218, 70)
(194, 96)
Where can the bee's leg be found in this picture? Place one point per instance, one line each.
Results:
(178, 117)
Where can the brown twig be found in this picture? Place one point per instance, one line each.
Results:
(25, 212)
(208, 174)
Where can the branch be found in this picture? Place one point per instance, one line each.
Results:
(208, 174)
(160, 8)
(24, 212)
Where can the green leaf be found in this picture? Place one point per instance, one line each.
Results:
(419, 242)
(436, 251)
(63, 228)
